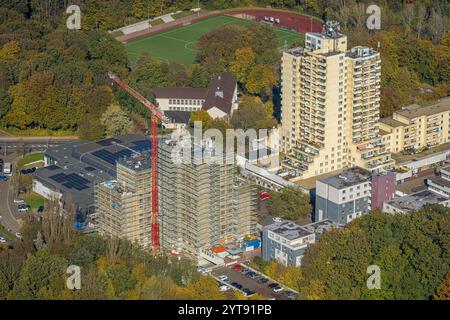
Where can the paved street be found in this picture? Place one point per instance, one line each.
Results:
(10, 216)
(24, 145)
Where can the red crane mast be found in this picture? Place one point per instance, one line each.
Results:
(155, 115)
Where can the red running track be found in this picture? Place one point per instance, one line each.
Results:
(288, 20)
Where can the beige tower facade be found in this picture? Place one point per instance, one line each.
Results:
(123, 206)
(330, 106)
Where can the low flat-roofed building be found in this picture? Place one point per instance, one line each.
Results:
(71, 170)
(414, 202)
(440, 184)
(286, 242)
(343, 197)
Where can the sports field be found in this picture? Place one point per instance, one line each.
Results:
(179, 43)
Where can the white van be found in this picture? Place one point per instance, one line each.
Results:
(7, 169)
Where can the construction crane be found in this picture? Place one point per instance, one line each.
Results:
(156, 114)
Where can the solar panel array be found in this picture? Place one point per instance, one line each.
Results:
(71, 181)
(112, 157)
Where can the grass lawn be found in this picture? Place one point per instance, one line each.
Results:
(38, 132)
(179, 44)
(156, 22)
(182, 14)
(34, 200)
(30, 158)
(6, 234)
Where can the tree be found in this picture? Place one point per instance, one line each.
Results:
(116, 121)
(261, 79)
(200, 115)
(205, 288)
(41, 277)
(90, 129)
(443, 289)
(243, 61)
(290, 204)
(411, 250)
(251, 109)
(10, 51)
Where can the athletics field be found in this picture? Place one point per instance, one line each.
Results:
(179, 43)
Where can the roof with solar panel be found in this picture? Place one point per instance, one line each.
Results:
(77, 166)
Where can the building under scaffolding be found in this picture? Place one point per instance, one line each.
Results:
(201, 204)
(123, 205)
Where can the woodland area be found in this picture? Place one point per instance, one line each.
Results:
(412, 251)
(110, 268)
(54, 80)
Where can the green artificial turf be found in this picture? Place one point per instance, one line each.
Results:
(179, 44)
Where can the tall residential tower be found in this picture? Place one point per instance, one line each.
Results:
(330, 106)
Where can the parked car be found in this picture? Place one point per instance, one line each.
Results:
(3, 178)
(251, 274)
(289, 294)
(19, 200)
(40, 209)
(277, 289)
(28, 171)
(223, 278)
(224, 288)
(263, 280)
(277, 219)
(23, 208)
(248, 292)
(22, 190)
(236, 285)
(237, 267)
(272, 285)
(18, 235)
(2, 240)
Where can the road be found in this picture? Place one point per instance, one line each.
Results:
(10, 216)
(9, 144)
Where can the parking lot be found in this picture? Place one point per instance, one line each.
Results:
(255, 284)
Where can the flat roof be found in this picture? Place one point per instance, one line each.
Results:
(321, 226)
(177, 116)
(288, 230)
(416, 201)
(391, 122)
(310, 183)
(415, 110)
(348, 178)
(79, 165)
(401, 159)
(440, 181)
